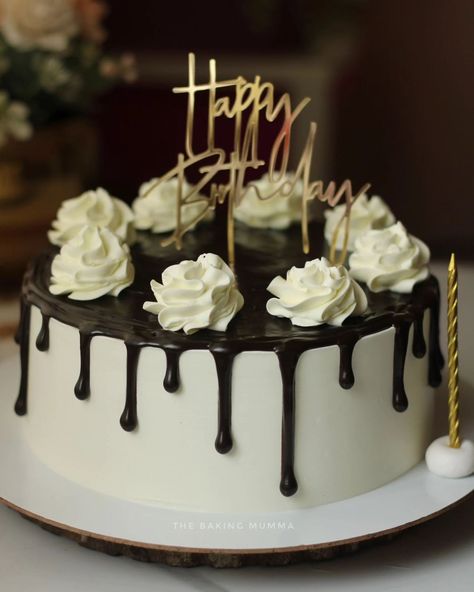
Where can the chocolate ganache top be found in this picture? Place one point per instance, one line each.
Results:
(260, 256)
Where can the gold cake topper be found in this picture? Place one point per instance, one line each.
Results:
(252, 100)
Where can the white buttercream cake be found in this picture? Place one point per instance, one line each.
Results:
(285, 383)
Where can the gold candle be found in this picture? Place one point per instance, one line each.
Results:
(453, 382)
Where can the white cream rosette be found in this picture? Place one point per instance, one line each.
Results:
(94, 263)
(389, 259)
(316, 294)
(93, 208)
(366, 214)
(155, 207)
(278, 211)
(196, 295)
(39, 24)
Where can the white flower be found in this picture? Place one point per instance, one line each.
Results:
(389, 259)
(13, 120)
(196, 295)
(96, 208)
(315, 294)
(52, 73)
(39, 24)
(278, 211)
(92, 264)
(366, 214)
(155, 207)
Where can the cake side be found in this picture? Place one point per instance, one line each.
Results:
(346, 441)
(274, 373)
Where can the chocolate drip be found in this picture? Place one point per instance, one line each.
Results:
(224, 362)
(171, 380)
(128, 419)
(436, 360)
(288, 361)
(400, 400)
(21, 404)
(42, 341)
(346, 374)
(82, 389)
(18, 332)
(419, 345)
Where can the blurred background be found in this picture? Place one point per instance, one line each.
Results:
(85, 100)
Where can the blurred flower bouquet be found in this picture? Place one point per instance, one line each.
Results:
(52, 67)
(52, 64)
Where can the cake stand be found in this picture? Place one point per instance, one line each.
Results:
(150, 533)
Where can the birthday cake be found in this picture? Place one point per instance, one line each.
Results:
(242, 372)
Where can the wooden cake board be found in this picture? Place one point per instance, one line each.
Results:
(220, 558)
(145, 532)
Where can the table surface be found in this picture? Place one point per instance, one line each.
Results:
(435, 556)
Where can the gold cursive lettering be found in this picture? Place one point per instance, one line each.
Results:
(256, 100)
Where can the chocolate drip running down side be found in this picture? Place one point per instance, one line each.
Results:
(42, 341)
(18, 333)
(129, 417)
(21, 404)
(171, 380)
(288, 361)
(402, 329)
(346, 374)
(419, 344)
(253, 329)
(224, 362)
(82, 389)
(436, 360)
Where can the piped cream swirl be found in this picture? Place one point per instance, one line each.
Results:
(315, 294)
(366, 214)
(278, 211)
(94, 263)
(155, 206)
(196, 295)
(93, 208)
(389, 259)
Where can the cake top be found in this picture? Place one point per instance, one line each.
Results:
(263, 256)
(201, 285)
